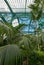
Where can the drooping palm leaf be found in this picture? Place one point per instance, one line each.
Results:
(10, 55)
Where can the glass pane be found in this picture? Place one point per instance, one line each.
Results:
(24, 20)
(7, 17)
(19, 5)
(16, 5)
(3, 6)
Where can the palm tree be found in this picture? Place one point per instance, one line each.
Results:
(36, 11)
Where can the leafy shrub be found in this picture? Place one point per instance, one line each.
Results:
(36, 58)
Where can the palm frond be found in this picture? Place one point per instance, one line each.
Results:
(10, 55)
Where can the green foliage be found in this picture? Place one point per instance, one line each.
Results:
(5, 29)
(10, 55)
(24, 42)
(37, 9)
(25, 46)
(36, 58)
(13, 34)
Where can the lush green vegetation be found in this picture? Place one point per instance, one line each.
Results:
(19, 49)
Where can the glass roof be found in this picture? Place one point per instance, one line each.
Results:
(3, 6)
(16, 5)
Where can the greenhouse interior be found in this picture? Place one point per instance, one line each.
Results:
(21, 32)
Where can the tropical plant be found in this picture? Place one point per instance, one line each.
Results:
(37, 57)
(12, 34)
(10, 55)
(36, 11)
(4, 29)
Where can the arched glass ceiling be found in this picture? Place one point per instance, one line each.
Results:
(16, 5)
